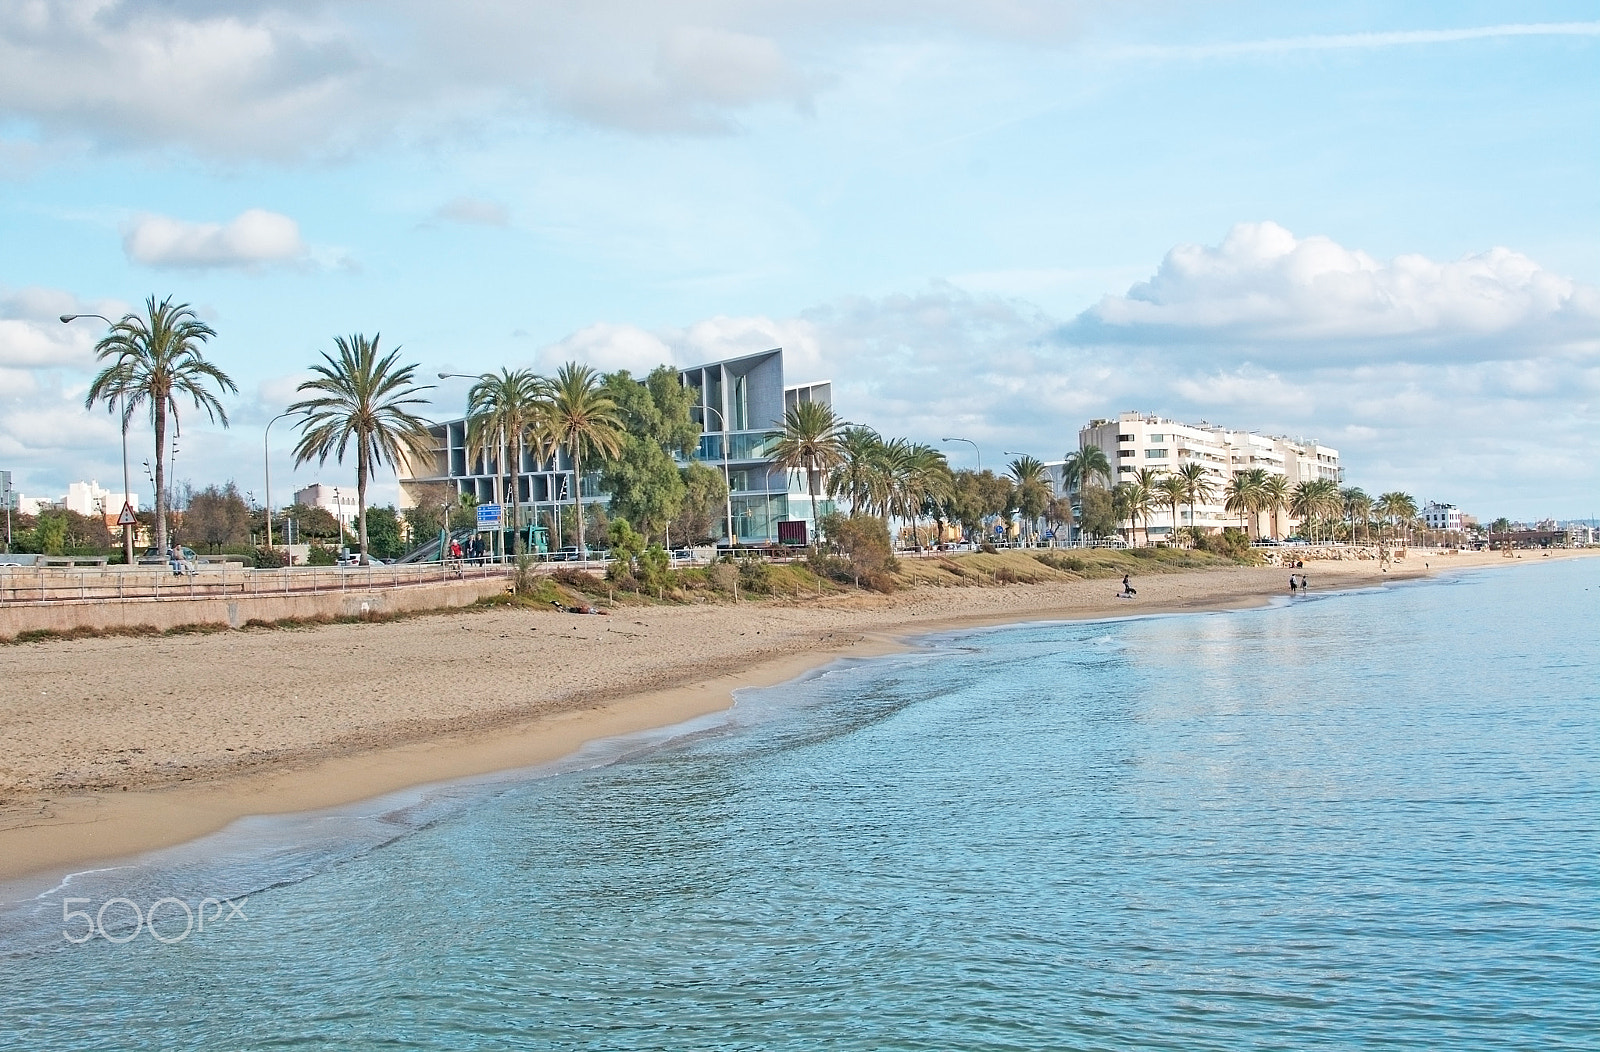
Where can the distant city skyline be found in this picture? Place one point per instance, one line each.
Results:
(1376, 227)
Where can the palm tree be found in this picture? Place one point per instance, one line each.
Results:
(1244, 498)
(1399, 508)
(501, 411)
(1171, 491)
(1198, 486)
(1143, 493)
(1275, 498)
(1314, 499)
(810, 443)
(1357, 508)
(157, 359)
(580, 417)
(1032, 485)
(1081, 468)
(860, 448)
(929, 483)
(366, 398)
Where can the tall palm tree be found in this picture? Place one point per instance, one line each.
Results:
(581, 418)
(1079, 470)
(1171, 491)
(929, 483)
(157, 359)
(1357, 508)
(1198, 486)
(501, 411)
(1275, 498)
(1399, 508)
(1032, 487)
(1243, 497)
(361, 397)
(1143, 494)
(1316, 499)
(860, 449)
(810, 443)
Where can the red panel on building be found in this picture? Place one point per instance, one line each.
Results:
(792, 533)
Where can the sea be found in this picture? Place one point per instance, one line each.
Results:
(1346, 820)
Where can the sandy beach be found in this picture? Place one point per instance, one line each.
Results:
(118, 745)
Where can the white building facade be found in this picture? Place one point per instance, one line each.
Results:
(1442, 516)
(338, 501)
(1138, 440)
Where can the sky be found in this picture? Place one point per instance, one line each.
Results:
(1372, 224)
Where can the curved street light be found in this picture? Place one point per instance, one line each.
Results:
(971, 443)
(127, 492)
(727, 479)
(266, 465)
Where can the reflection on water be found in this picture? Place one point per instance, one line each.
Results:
(1352, 821)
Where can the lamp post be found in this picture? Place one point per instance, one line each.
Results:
(127, 529)
(266, 466)
(971, 443)
(727, 479)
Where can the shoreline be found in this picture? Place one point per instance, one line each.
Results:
(51, 830)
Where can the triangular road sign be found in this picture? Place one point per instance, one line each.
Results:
(127, 518)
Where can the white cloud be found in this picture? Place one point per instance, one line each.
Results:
(253, 237)
(309, 76)
(1364, 41)
(1266, 288)
(32, 335)
(608, 347)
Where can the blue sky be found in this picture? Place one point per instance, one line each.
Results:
(1374, 224)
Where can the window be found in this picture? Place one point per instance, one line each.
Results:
(1124, 454)
(1155, 454)
(1158, 438)
(1124, 438)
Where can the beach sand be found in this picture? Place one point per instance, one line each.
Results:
(114, 746)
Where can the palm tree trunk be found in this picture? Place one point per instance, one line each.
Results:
(161, 476)
(516, 501)
(361, 496)
(577, 496)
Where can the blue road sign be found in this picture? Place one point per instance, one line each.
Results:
(488, 516)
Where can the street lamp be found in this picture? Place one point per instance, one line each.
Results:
(971, 443)
(127, 493)
(727, 479)
(266, 465)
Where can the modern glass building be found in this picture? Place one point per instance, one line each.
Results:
(739, 403)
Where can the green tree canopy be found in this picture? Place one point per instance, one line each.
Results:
(643, 479)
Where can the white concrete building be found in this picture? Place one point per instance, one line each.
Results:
(1139, 440)
(338, 501)
(90, 498)
(1442, 516)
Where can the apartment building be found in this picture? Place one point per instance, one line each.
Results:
(740, 405)
(1139, 440)
(1443, 516)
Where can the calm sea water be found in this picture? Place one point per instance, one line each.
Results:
(1367, 820)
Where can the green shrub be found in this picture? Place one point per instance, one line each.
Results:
(755, 576)
(322, 556)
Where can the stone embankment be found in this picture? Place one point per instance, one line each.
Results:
(61, 600)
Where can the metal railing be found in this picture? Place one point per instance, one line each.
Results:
(47, 584)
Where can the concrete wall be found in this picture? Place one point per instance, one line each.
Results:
(236, 611)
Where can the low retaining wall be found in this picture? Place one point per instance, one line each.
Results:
(237, 611)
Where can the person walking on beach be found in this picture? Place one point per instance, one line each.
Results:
(1292, 584)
